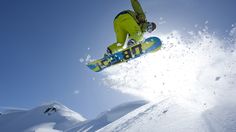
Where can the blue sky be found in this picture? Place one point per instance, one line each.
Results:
(41, 42)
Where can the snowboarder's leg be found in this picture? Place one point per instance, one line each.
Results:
(131, 26)
(123, 25)
(121, 35)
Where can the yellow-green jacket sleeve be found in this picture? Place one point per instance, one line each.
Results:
(139, 11)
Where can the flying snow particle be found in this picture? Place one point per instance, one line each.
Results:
(81, 60)
(217, 78)
(88, 58)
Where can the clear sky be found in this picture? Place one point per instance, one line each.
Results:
(42, 41)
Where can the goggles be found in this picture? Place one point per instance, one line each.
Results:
(149, 27)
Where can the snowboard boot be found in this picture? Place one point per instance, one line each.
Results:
(108, 53)
(131, 42)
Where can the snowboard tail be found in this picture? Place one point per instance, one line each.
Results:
(151, 44)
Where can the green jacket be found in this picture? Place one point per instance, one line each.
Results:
(138, 15)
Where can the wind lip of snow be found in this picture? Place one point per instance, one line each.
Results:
(128, 104)
(123, 106)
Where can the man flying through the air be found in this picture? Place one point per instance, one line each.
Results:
(132, 23)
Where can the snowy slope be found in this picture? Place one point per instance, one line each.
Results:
(107, 117)
(49, 117)
(173, 115)
(221, 118)
(169, 115)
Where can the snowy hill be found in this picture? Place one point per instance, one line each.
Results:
(49, 117)
(107, 117)
(173, 115)
(55, 117)
(169, 115)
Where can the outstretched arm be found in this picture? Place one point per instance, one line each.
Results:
(138, 10)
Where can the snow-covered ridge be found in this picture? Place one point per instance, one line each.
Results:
(107, 117)
(53, 116)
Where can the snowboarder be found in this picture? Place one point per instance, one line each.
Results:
(132, 23)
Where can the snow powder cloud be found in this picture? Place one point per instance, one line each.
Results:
(200, 67)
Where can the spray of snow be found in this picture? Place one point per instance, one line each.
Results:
(199, 67)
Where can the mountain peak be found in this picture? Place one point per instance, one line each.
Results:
(53, 116)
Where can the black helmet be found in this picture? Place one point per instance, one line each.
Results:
(151, 26)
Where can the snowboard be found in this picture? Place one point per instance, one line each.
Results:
(150, 44)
